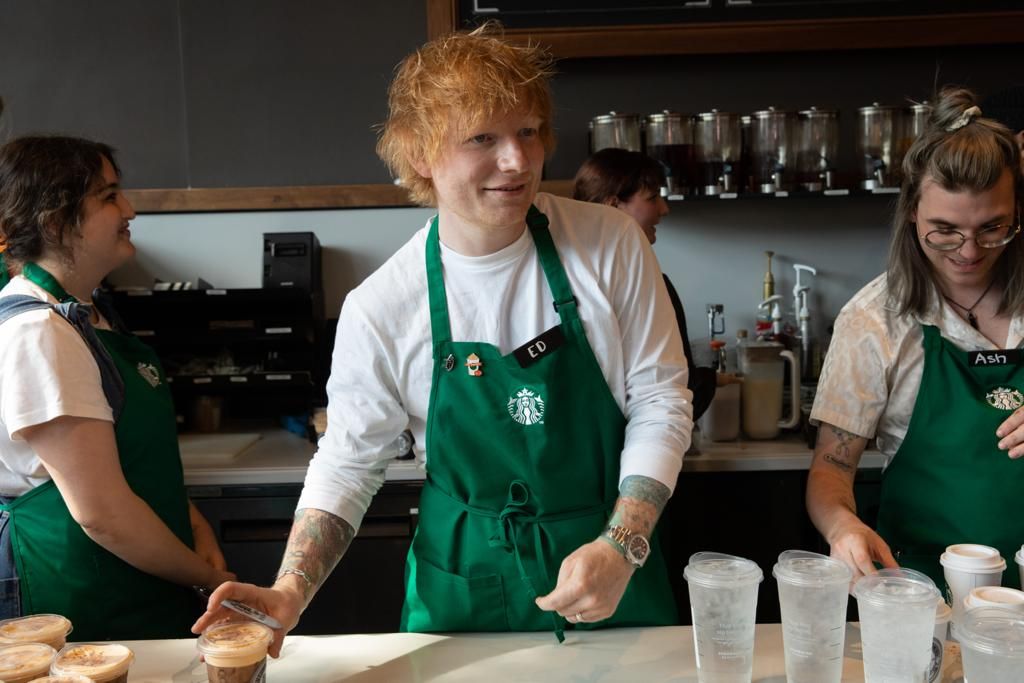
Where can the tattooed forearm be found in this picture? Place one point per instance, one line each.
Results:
(641, 500)
(838, 447)
(315, 545)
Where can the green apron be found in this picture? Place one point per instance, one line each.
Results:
(948, 482)
(61, 570)
(523, 470)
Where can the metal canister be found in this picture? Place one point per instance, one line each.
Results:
(669, 138)
(773, 142)
(717, 140)
(880, 145)
(817, 148)
(615, 130)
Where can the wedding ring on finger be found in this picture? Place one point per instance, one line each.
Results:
(579, 618)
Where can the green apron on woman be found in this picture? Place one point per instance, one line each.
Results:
(523, 469)
(61, 570)
(948, 482)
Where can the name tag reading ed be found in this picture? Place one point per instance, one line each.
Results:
(995, 357)
(538, 347)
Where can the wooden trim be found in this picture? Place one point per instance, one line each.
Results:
(188, 200)
(440, 18)
(766, 36)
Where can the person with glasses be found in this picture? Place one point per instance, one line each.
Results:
(926, 360)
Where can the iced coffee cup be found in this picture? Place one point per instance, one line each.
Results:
(967, 566)
(236, 652)
(70, 678)
(51, 629)
(102, 662)
(943, 615)
(991, 645)
(25, 662)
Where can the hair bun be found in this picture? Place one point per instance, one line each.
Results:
(954, 108)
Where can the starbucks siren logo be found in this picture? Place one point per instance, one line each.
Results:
(1005, 399)
(149, 373)
(526, 407)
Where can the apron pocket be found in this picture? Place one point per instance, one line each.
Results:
(450, 602)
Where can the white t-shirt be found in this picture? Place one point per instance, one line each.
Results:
(46, 371)
(382, 367)
(871, 375)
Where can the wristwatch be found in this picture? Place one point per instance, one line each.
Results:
(633, 546)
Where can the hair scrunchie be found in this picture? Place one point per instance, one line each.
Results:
(969, 114)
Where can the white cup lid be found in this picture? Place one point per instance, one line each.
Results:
(1020, 555)
(973, 557)
(994, 596)
(943, 612)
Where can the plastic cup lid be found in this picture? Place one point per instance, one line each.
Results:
(896, 587)
(64, 678)
(810, 569)
(973, 558)
(237, 638)
(25, 658)
(993, 630)
(93, 659)
(717, 570)
(34, 629)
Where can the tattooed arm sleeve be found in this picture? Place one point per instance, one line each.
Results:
(641, 501)
(316, 543)
(830, 500)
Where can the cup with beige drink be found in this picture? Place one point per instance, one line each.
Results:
(24, 662)
(51, 629)
(102, 662)
(69, 678)
(236, 652)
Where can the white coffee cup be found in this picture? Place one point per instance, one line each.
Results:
(967, 566)
(943, 614)
(995, 596)
(1020, 564)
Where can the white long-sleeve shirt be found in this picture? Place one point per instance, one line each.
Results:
(382, 366)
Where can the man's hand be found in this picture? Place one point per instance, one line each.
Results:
(860, 547)
(591, 582)
(281, 602)
(1011, 434)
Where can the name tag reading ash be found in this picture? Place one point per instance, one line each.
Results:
(996, 357)
(538, 347)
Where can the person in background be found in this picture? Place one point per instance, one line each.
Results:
(631, 182)
(913, 361)
(95, 523)
(548, 389)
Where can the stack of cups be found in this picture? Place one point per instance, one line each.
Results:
(967, 566)
(101, 662)
(723, 602)
(813, 593)
(25, 662)
(991, 645)
(995, 596)
(897, 624)
(236, 652)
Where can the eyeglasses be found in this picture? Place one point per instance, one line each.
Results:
(989, 238)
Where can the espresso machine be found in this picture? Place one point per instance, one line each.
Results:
(670, 141)
(773, 138)
(818, 148)
(717, 138)
(615, 130)
(880, 145)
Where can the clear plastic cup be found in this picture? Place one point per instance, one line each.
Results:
(813, 595)
(991, 645)
(51, 629)
(236, 652)
(967, 566)
(102, 662)
(25, 662)
(897, 624)
(943, 615)
(723, 602)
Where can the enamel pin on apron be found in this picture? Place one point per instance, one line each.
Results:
(474, 365)
(449, 363)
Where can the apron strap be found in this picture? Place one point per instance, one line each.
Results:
(440, 326)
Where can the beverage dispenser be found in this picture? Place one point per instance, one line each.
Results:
(615, 130)
(670, 141)
(773, 139)
(818, 150)
(717, 137)
(880, 145)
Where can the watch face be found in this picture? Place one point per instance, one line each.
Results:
(638, 549)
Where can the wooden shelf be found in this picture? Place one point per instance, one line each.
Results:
(190, 200)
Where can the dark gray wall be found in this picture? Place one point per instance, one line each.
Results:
(206, 93)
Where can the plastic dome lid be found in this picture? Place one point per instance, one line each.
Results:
(718, 570)
(992, 630)
(804, 568)
(896, 587)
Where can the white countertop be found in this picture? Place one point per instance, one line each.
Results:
(627, 655)
(280, 457)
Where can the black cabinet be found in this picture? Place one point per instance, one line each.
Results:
(364, 594)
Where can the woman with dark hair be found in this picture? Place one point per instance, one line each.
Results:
(631, 182)
(95, 524)
(925, 360)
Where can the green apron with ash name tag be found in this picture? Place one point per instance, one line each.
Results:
(949, 482)
(522, 470)
(62, 570)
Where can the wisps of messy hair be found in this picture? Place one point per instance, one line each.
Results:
(452, 84)
(971, 157)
